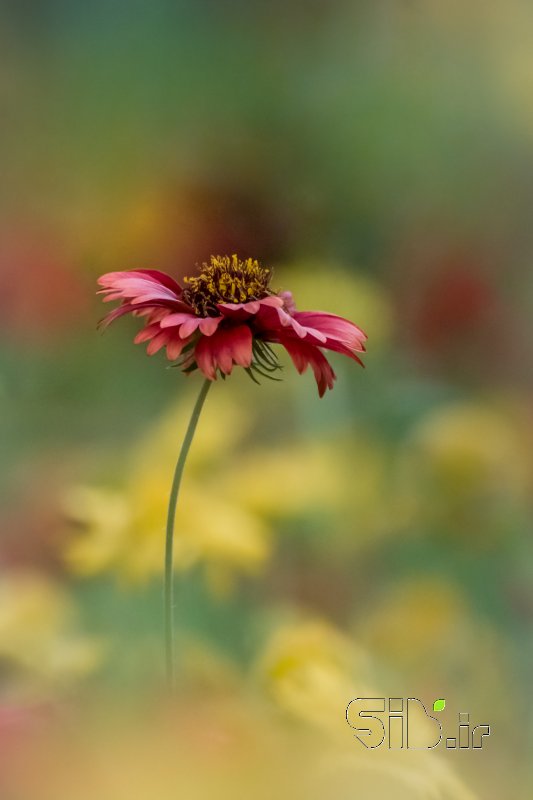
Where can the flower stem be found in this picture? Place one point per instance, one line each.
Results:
(169, 547)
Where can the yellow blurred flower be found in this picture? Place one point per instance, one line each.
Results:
(39, 645)
(468, 446)
(342, 479)
(426, 631)
(289, 479)
(415, 622)
(123, 529)
(464, 465)
(312, 671)
(217, 436)
(232, 498)
(105, 517)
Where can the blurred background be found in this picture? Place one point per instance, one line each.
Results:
(378, 154)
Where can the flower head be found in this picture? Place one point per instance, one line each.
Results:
(227, 314)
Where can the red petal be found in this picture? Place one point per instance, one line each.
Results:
(240, 342)
(147, 333)
(163, 278)
(303, 354)
(333, 327)
(227, 346)
(208, 325)
(175, 348)
(129, 308)
(141, 287)
(172, 320)
(204, 355)
(159, 341)
(188, 327)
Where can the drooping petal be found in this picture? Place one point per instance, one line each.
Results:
(155, 344)
(125, 308)
(152, 313)
(147, 333)
(333, 327)
(175, 347)
(189, 326)
(240, 342)
(158, 338)
(227, 346)
(303, 355)
(205, 357)
(304, 331)
(339, 347)
(271, 322)
(208, 325)
(141, 309)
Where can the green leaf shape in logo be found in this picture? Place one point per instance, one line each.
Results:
(439, 705)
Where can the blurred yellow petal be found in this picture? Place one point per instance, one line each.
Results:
(432, 607)
(313, 671)
(216, 436)
(471, 445)
(104, 517)
(38, 640)
(123, 531)
(288, 479)
(467, 468)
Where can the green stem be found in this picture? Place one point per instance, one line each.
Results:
(169, 547)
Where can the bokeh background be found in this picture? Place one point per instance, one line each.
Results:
(379, 156)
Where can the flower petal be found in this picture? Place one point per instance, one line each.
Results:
(271, 322)
(239, 310)
(137, 288)
(333, 327)
(159, 341)
(303, 331)
(303, 354)
(112, 280)
(189, 323)
(252, 307)
(208, 325)
(224, 348)
(178, 318)
(204, 355)
(175, 347)
(147, 333)
(189, 326)
(240, 341)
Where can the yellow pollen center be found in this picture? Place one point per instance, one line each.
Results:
(226, 279)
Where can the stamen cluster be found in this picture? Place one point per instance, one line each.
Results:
(226, 279)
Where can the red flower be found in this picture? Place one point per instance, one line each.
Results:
(227, 315)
